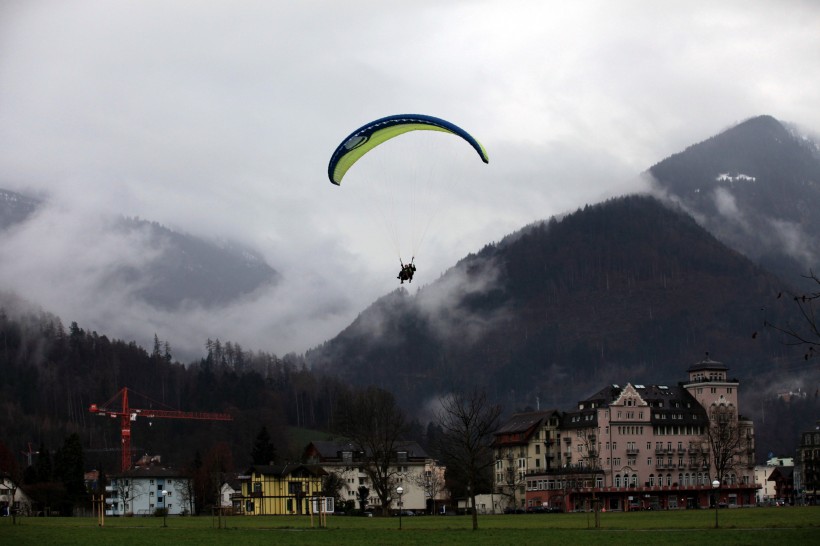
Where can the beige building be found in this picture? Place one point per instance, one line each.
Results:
(419, 476)
(632, 447)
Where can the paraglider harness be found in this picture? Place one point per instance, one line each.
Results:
(406, 272)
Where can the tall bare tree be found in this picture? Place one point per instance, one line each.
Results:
(514, 479)
(468, 420)
(727, 440)
(376, 427)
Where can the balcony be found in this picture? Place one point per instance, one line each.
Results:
(632, 451)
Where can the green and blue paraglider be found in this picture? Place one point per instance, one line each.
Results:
(371, 135)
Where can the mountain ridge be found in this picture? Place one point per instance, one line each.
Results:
(644, 306)
(178, 269)
(752, 186)
(558, 298)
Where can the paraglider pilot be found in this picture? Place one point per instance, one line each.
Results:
(406, 272)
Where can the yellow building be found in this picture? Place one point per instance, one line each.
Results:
(281, 490)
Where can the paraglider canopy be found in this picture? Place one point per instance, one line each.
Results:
(370, 135)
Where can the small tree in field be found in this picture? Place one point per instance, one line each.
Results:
(468, 421)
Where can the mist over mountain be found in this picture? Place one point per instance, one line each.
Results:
(15, 208)
(755, 186)
(627, 290)
(633, 289)
(636, 289)
(190, 269)
(167, 269)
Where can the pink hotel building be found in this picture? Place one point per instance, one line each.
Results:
(631, 447)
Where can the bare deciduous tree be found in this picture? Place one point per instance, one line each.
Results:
(375, 426)
(468, 421)
(727, 441)
(514, 478)
(431, 481)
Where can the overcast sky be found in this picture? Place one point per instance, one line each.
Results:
(218, 119)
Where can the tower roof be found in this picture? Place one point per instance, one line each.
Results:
(708, 364)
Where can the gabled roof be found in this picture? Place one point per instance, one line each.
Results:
(296, 470)
(781, 472)
(661, 400)
(331, 451)
(604, 396)
(521, 426)
(522, 422)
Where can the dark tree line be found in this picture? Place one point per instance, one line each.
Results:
(50, 375)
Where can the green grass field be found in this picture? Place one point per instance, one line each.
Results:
(752, 526)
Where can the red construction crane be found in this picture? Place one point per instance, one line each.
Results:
(128, 414)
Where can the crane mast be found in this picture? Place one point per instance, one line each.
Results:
(127, 414)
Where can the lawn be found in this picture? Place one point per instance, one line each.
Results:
(751, 526)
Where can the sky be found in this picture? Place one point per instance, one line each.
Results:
(218, 119)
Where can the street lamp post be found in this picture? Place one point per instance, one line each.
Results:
(164, 508)
(716, 488)
(400, 491)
